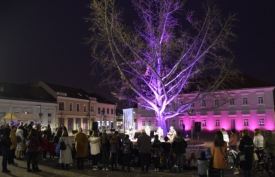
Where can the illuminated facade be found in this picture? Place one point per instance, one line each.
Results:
(246, 108)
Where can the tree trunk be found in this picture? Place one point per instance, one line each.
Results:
(162, 124)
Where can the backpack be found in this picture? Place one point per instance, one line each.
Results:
(18, 139)
(29, 143)
(62, 145)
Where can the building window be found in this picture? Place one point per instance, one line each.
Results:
(85, 124)
(92, 109)
(149, 123)
(231, 102)
(260, 100)
(143, 123)
(174, 123)
(77, 107)
(70, 123)
(112, 111)
(203, 123)
(261, 122)
(203, 103)
(245, 101)
(98, 110)
(217, 122)
(85, 108)
(107, 110)
(192, 105)
(245, 122)
(61, 106)
(78, 123)
(71, 107)
(216, 103)
(181, 123)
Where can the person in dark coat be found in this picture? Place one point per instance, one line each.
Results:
(156, 152)
(166, 146)
(246, 148)
(127, 152)
(178, 147)
(144, 147)
(105, 150)
(5, 149)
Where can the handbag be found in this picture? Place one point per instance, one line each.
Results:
(225, 158)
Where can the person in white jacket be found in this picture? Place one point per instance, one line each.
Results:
(258, 142)
(94, 148)
(65, 157)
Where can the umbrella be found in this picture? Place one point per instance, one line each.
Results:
(20, 116)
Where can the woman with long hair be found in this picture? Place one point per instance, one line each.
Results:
(65, 155)
(32, 144)
(218, 151)
(114, 150)
(105, 150)
(94, 148)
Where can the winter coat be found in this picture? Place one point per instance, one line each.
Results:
(233, 141)
(258, 141)
(5, 140)
(114, 146)
(144, 143)
(179, 145)
(51, 148)
(105, 146)
(45, 144)
(245, 143)
(156, 148)
(13, 140)
(34, 144)
(65, 156)
(166, 147)
(269, 143)
(94, 145)
(218, 161)
(127, 146)
(81, 143)
(19, 133)
(202, 165)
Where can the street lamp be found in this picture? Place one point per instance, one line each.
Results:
(103, 112)
(92, 111)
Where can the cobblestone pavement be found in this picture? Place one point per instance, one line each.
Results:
(49, 169)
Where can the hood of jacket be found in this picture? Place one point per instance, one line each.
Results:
(178, 139)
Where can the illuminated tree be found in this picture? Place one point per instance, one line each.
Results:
(166, 52)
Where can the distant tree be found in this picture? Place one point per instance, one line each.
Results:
(166, 52)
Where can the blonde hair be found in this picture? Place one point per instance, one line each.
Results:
(257, 132)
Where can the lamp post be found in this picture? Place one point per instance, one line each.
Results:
(40, 114)
(91, 119)
(124, 122)
(103, 112)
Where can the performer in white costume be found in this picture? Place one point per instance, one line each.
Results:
(147, 130)
(159, 132)
(131, 132)
(172, 133)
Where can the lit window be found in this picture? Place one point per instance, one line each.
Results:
(173, 123)
(245, 101)
(61, 106)
(77, 107)
(261, 122)
(260, 100)
(203, 103)
(71, 107)
(217, 122)
(84, 108)
(112, 111)
(143, 123)
(232, 102)
(203, 123)
(217, 103)
(149, 123)
(181, 122)
(245, 122)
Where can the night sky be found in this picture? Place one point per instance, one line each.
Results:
(44, 40)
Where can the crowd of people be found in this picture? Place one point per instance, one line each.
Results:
(28, 141)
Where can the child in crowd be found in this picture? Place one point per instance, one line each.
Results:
(208, 153)
(51, 148)
(202, 165)
(166, 146)
(45, 145)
